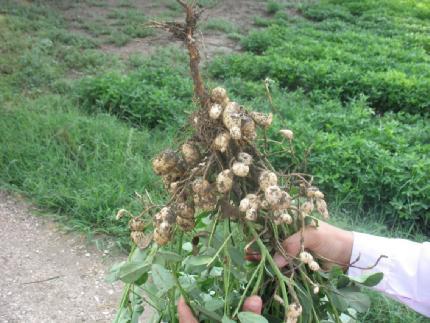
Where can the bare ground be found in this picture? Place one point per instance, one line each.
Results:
(239, 13)
(48, 275)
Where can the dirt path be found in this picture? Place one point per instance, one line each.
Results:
(48, 275)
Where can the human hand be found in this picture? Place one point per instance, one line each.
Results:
(252, 304)
(331, 244)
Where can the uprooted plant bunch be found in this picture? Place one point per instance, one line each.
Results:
(227, 205)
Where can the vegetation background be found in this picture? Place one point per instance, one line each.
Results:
(88, 94)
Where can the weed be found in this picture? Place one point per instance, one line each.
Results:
(125, 4)
(172, 5)
(235, 36)
(153, 95)
(273, 7)
(339, 58)
(221, 25)
(208, 3)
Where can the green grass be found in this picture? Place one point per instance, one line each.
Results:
(81, 166)
(85, 167)
(389, 311)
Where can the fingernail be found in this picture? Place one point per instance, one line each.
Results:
(280, 260)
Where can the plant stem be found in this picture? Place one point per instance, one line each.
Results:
(209, 314)
(259, 278)
(172, 306)
(229, 229)
(336, 314)
(220, 249)
(181, 236)
(126, 291)
(272, 263)
(226, 271)
(306, 280)
(254, 274)
(123, 301)
(182, 291)
(213, 229)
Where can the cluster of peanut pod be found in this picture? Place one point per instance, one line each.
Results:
(220, 169)
(198, 175)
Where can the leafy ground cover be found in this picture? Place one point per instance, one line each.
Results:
(341, 50)
(353, 88)
(79, 125)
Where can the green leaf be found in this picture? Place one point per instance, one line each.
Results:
(137, 312)
(335, 272)
(142, 280)
(248, 317)
(305, 300)
(355, 298)
(237, 256)
(169, 256)
(125, 316)
(113, 274)
(163, 278)
(308, 220)
(139, 255)
(155, 318)
(342, 281)
(151, 292)
(214, 304)
(188, 282)
(338, 301)
(194, 261)
(368, 280)
(216, 272)
(131, 271)
(187, 246)
(225, 319)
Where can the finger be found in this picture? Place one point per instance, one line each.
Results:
(280, 260)
(292, 247)
(253, 304)
(184, 312)
(292, 244)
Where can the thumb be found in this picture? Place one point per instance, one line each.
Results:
(253, 304)
(184, 312)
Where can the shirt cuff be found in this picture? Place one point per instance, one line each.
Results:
(370, 255)
(406, 268)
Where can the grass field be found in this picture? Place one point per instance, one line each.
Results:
(79, 121)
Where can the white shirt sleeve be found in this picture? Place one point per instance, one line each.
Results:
(406, 268)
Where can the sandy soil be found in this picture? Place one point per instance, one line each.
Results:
(48, 275)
